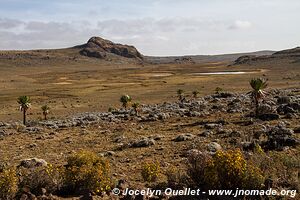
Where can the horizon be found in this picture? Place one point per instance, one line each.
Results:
(155, 28)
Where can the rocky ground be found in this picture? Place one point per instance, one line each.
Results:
(166, 132)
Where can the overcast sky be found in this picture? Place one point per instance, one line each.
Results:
(155, 27)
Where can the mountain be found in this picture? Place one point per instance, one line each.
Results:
(289, 55)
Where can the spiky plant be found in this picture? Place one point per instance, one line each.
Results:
(125, 100)
(258, 85)
(25, 103)
(46, 111)
(195, 94)
(180, 94)
(135, 106)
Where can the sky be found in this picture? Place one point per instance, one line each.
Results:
(154, 27)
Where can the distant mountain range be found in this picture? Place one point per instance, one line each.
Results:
(105, 50)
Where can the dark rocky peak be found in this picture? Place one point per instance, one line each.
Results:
(101, 48)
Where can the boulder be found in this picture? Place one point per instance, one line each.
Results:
(144, 142)
(283, 100)
(33, 162)
(213, 147)
(184, 137)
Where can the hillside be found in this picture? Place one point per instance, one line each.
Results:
(289, 55)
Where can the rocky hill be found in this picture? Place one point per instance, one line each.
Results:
(100, 48)
(289, 55)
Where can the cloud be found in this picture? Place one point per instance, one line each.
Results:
(9, 23)
(164, 36)
(239, 24)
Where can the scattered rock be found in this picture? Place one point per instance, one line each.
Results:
(144, 142)
(268, 116)
(283, 100)
(33, 162)
(213, 147)
(211, 126)
(279, 137)
(184, 137)
(206, 133)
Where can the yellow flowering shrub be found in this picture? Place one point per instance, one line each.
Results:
(8, 183)
(86, 171)
(226, 169)
(150, 171)
(229, 169)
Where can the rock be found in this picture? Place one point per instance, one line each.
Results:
(34, 129)
(291, 116)
(283, 100)
(297, 129)
(288, 108)
(92, 52)
(3, 165)
(265, 109)
(43, 191)
(243, 60)
(206, 133)
(211, 126)
(33, 162)
(224, 95)
(194, 114)
(184, 137)
(33, 145)
(223, 131)
(108, 153)
(192, 152)
(2, 133)
(268, 116)
(295, 106)
(119, 139)
(278, 142)
(99, 48)
(248, 146)
(279, 137)
(162, 116)
(144, 142)
(213, 147)
(235, 134)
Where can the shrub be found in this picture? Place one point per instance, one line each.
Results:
(176, 178)
(231, 170)
(111, 109)
(48, 177)
(225, 170)
(198, 162)
(218, 90)
(8, 183)
(87, 172)
(150, 171)
(281, 169)
(125, 100)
